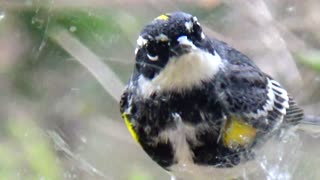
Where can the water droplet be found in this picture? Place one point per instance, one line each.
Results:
(74, 176)
(75, 89)
(72, 28)
(94, 170)
(67, 175)
(83, 139)
(2, 15)
(38, 22)
(291, 9)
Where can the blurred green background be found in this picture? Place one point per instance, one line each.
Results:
(63, 64)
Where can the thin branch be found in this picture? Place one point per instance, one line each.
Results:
(102, 72)
(61, 145)
(312, 120)
(311, 126)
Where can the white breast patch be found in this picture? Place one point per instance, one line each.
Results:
(178, 138)
(182, 73)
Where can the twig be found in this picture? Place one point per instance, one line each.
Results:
(102, 72)
(311, 126)
(312, 120)
(61, 145)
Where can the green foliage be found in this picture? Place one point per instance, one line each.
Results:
(310, 59)
(138, 174)
(96, 29)
(36, 158)
(93, 29)
(30, 150)
(9, 163)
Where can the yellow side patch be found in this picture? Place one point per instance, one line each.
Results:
(163, 17)
(238, 133)
(130, 127)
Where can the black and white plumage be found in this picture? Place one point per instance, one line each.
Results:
(193, 101)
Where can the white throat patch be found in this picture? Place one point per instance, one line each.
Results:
(183, 73)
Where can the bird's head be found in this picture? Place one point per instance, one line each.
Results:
(173, 53)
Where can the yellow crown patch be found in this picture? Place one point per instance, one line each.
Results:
(163, 17)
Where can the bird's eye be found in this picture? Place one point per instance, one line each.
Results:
(152, 52)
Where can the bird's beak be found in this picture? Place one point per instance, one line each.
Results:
(184, 46)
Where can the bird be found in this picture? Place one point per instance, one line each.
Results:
(196, 105)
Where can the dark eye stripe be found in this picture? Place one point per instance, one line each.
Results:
(156, 49)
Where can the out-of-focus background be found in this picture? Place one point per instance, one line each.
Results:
(64, 63)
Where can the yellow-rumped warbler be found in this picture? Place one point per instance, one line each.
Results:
(194, 101)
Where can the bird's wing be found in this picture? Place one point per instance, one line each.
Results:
(247, 92)
(255, 104)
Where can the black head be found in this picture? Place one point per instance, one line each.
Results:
(166, 37)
